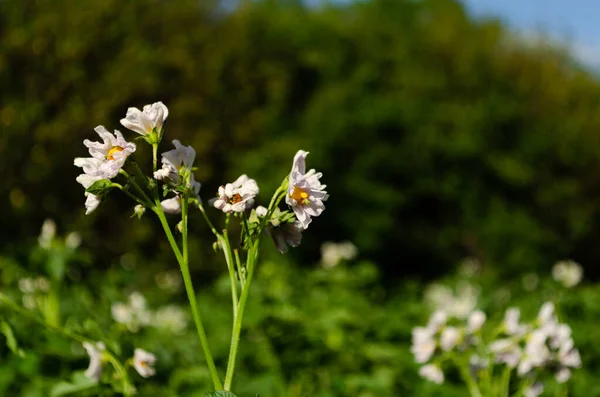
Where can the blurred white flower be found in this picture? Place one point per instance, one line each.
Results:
(449, 338)
(169, 280)
(423, 344)
(536, 352)
(95, 351)
(475, 321)
(134, 314)
(143, 362)
(170, 318)
(568, 273)
(237, 196)
(47, 233)
(171, 205)
(73, 240)
(306, 194)
(506, 351)
(469, 267)
(432, 373)
(152, 117)
(333, 253)
(534, 390)
(458, 305)
(27, 285)
(511, 324)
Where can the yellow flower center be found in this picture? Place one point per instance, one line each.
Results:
(300, 195)
(236, 199)
(112, 151)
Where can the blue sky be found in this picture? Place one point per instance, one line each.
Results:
(576, 22)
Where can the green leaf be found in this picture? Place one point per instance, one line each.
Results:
(100, 187)
(11, 341)
(219, 393)
(80, 383)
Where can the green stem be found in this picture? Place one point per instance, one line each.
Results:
(187, 279)
(238, 265)
(237, 326)
(137, 187)
(208, 222)
(154, 157)
(505, 385)
(471, 384)
(231, 267)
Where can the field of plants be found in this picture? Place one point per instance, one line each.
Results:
(358, 199)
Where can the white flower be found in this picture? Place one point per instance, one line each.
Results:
(568, 273)
(536, 352)
(475, 321)
(171, 205)
(47, 233)
(511, 323)
(449, 338)
(237, 196)
(133, 314)
(334, 253)
(152, 117)
(437, 320)
(432, 373)
(113, 151)
(534, 390)
(95, 352)
(171, 318)
(547, 317)
(458, 305)
(305, 193)
(143, 362)
(563, 375)
(91, 203)
(176, 162)
(73, 240)
(423, 344)
(506, 351)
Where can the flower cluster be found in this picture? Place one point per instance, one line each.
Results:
(532, 348)
(135, 315)
(444, 334)
(457, 304)
(304, 194)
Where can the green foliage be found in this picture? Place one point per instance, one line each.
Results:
(431, 129)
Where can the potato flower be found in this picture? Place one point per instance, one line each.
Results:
(143, 362)
(145, 121)
(305, 192)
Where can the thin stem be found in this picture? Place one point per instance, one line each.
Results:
(237, 326)
(231, 267)
(238, 265)
(132, 196)
(136, 186)
(471, 384)
(505, 385)
(154, 157)
(187, 279)
(208, 222)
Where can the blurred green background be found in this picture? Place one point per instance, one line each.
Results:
(439, 136)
